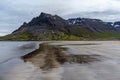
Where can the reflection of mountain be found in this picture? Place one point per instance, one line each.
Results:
(51, 56)
(53, 27)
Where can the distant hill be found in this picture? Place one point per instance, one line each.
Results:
(53, 27)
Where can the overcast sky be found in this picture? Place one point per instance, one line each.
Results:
(14, 12)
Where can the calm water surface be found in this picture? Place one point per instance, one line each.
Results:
(108, 68)
(10, 50)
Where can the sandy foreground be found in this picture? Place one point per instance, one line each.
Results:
(108, 68)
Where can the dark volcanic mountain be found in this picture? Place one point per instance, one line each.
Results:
(53, 27)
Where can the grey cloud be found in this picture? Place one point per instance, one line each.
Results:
(14, 13)
(108, 15)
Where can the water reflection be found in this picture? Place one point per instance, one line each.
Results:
(44, 63)
(28, 46)
(50, 56)
(16, 69)
(9, 50)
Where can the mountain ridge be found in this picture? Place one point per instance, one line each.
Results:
(53, 27)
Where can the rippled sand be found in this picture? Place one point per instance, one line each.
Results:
(108, 68)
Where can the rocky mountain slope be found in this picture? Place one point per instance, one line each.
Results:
(53, 27)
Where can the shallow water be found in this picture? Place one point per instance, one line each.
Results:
(108, 68)
(9, 50)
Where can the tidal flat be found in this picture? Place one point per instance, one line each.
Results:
(60, 60)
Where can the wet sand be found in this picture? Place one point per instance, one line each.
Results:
(108, 68)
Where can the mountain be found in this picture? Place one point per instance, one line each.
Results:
(53, 27)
